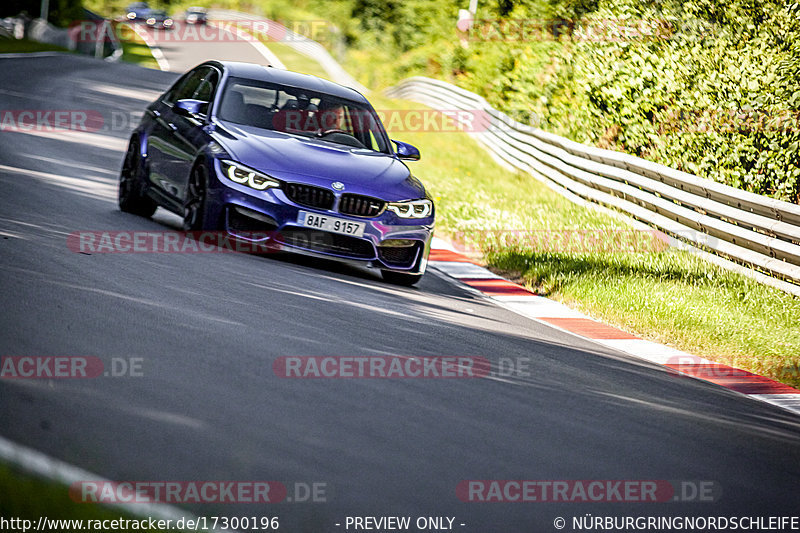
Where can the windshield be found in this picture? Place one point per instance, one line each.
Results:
(302, 112)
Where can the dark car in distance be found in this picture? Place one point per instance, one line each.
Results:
(159, 19)
(291, 160)
(196, 15)
(138, 11)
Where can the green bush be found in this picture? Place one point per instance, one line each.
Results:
(60, 13)
(711, 87)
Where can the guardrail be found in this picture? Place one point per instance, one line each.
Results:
(738, 227)
(103, 44)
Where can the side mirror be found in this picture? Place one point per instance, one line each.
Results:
(406, 151)
(188, 107)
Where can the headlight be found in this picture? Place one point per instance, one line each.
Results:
(247, 176)
(131, 15)
(168, 22)
(151, 21)
(413, 209)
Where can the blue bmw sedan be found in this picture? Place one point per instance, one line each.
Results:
(295, 161)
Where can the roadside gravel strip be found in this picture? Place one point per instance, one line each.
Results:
(447, 260)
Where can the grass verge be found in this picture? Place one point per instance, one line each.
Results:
(291, 58)
(27, 497)
(134, 49)
(18, 46)
(668, 296)
(294, 60)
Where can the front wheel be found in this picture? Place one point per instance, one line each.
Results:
(129, 195)
(195, 217)
(400, 278)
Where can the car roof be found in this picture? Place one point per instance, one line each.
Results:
(292, 79)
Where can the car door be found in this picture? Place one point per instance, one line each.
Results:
(191, 132)
(175, 139)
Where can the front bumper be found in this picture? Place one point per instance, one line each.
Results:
(270, 218)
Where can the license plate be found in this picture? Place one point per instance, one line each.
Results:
(332, 224)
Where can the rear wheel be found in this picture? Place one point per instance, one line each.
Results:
(400, 278)
(130, 197)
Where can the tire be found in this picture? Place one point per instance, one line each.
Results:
(400, 278)
(129, 195)
(195, 216)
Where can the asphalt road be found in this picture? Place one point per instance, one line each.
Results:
(208, 328)
(187, 45)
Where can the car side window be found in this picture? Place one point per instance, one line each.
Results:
(169, 96)
(373, 142)
(193, 82)
(188, 86)
(205, 91)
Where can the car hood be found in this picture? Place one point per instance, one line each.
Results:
(317, 162)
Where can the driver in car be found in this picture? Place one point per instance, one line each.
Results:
(332, 117)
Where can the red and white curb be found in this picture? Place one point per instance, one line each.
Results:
(447, 260)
